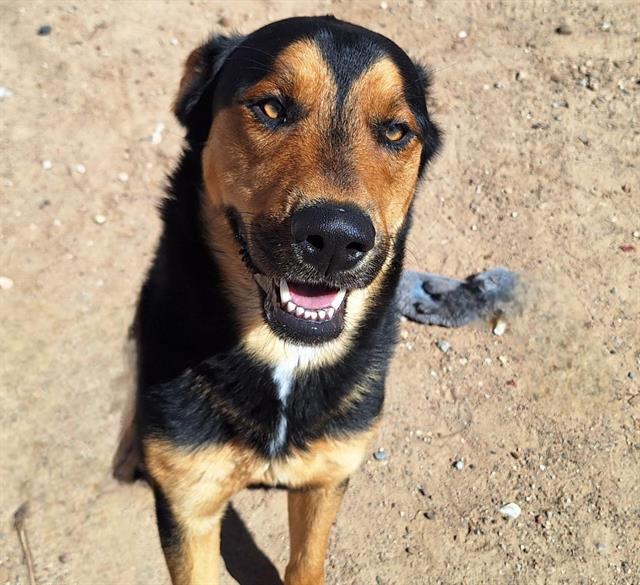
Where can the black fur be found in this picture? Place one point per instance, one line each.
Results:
(196, 385)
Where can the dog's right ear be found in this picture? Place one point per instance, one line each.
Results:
(198, 80)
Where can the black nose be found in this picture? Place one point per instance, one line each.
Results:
(332, 238)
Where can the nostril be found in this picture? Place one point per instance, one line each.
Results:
(316, 241)
(356, 248)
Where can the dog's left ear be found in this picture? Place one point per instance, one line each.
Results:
(195, 95)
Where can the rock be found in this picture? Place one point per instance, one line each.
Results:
(500, 327)
(632, 375)
(384, 5)
(174, 42)
(636, 234)
(564, 29)
(601, 546)
(458, 464)
(99, 219)
(5, 283)
(498, 85)
(605, 26)
(80, 169)
(430, 515)
(45, 30)
(224, 21)
(5, 92)
(443, 346)
(511, 511)
(521, 76)
(626, 188)
(123, 177)
(47, 165)
(380, 454)
(156, 136)
(560, 104)
(503, 360)
(463, 34)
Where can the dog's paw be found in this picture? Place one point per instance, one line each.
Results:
(437, 300)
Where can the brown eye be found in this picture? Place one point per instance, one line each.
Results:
(272, 109)
(395, 132)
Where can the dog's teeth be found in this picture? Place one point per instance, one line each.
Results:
(339, 298)
(311, 315)
(263, 281)
(331, 312)
(291, 307)
(285, 295)
(322, 315)
(299, 311)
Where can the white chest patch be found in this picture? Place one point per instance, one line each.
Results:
(284, 377)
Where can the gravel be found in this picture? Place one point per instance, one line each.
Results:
(564, 29)
(99, 219)
(5, 283)
(458, 464)
(45, 30)
(443, 346)
(380, 454)
(511, 511)
(500, 328)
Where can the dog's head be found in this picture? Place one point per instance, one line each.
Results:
(314, 133)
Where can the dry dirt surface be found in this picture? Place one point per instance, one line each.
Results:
(540, 104)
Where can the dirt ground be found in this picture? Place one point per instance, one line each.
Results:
(539, 173)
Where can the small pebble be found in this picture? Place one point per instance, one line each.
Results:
(626, 188)
(430, 515)
(99, 219)
(156, 136)
(459, 464)
(601, 546)
(632, 375)
(503, 359)
(123, 177)
(628, 248)
(44, 30)
(5, 92)
(173, 41)
(606, 25)
(636, 234)
(462, 34)
(404, 334)
(80, 169)
(443, 346)
(380, 454)
(500, 328)
(514, 214)
(560, 104)
(5, 283)
(498, 85)
(563, 29)
(521, 76)
(511, 511)
(47, 165)
(224, 21)
(384, 5)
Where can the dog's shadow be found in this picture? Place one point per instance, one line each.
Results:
(246, 563)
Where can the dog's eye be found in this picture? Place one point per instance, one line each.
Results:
(272, 109)
(395, 132)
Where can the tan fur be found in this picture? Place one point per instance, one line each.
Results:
(198, 484)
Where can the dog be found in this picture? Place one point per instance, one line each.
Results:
(268, 317)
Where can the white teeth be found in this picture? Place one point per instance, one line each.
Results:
(286, 302)
(285, 295)
(339, 298)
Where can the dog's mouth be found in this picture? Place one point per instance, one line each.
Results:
(303, 312)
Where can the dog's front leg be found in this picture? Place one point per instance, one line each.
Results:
(191, 490)
(311, 514)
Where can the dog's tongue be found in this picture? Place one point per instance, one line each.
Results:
(312, 297)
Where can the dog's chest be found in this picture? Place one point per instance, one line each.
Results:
(284, 378)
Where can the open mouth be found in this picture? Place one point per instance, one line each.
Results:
(302, 312)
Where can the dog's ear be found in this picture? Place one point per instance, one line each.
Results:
(198, 79)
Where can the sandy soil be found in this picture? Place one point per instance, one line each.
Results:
(539, 173)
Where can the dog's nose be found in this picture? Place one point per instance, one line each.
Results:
(332, 238)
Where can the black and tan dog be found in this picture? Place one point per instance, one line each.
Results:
(267, 320)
